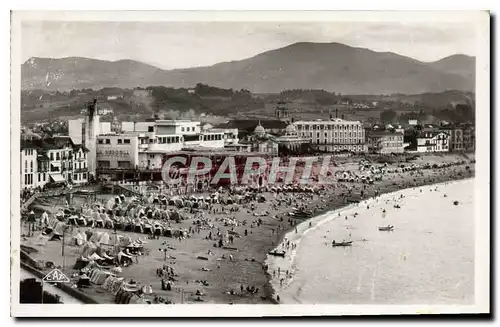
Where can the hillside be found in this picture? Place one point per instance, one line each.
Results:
(459, 64)
(329, 66)
(77, 73)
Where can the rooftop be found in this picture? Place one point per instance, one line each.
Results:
(327, 121)
(385, 133)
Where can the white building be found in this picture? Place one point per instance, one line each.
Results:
(385, 142)
(433, 142)
(117, 151)
(334, 135)
(29, 167)
(56, 160)
(142, 145)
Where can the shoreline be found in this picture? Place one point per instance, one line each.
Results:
(271, 291)
(250, 251)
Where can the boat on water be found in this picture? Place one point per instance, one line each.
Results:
(389, 228)
(343, 243)
(277, 253)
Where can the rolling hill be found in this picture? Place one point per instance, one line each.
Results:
(459, 64)
(333, 67)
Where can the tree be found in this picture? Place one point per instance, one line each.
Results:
(388, 116)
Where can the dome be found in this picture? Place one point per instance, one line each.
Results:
(291, 129)
(259, 129)
(207, 127)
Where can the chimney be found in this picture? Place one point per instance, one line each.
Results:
(336, 112)
(342, 116)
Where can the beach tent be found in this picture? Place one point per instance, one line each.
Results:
(96, 236)
(88, 249)
(58, 230)
(78, 238)
(98, 276)
(81, 263)
(104, 238)
(110, 204)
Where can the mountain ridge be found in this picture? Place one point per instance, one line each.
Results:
(332, 66)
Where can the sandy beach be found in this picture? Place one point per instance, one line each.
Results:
(224, 273)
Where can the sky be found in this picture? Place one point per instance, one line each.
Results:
(171, 45)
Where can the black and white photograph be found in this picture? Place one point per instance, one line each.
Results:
(335, 161)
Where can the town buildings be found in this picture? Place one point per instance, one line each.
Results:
(385, 142)
(433, 142)
(55, 160)
(141, 146)
(469, 137)
(282, 112)
(333, 135)
(462, 136)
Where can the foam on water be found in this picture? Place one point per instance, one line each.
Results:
(369, 271)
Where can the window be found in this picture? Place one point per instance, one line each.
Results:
(126, 141)
(99, 141)
(39, 176)
(44, 177)
(58, 157)
(108, 141)
(124, 164)
(119, 141)
(84, 175)
(151, 128)
(182, 129)
(75, 177)
(103, 163)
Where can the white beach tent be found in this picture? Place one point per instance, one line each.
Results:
(104, 238)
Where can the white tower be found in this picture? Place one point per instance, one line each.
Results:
(91, 132)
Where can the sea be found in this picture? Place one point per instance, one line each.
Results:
(427, 259)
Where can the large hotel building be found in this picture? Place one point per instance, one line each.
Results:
(334, 135)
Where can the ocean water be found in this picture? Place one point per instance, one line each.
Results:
(427, 259)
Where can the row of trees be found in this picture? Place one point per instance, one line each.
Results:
(461, 113)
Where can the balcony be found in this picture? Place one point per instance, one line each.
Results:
(81, 170)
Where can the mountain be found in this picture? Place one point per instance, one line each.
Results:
(330, 66)
(459, 64)
(77, 73)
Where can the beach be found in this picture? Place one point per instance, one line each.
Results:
(236, 273)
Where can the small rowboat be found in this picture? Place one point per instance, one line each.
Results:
(349, 243)
(277, 254)
(386, 228)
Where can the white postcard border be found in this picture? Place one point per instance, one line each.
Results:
(482, 179)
